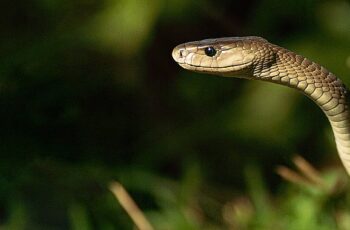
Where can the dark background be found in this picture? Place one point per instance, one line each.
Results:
(89, 93)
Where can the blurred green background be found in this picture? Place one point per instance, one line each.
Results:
(89, 93)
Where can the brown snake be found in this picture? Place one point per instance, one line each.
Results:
(257, 59)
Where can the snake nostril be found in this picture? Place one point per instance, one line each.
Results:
(181, 53)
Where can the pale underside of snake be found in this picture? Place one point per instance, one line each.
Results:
(257, 59)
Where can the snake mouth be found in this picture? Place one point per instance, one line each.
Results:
(214, 69)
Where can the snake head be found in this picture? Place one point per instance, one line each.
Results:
(232, 56)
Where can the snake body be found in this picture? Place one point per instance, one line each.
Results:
(257, 59)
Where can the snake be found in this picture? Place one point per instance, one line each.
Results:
(255, 58)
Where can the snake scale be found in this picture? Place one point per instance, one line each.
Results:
(257, 59)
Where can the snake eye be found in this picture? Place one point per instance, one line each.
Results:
(210, 51)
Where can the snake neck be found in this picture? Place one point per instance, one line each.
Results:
(316, 82)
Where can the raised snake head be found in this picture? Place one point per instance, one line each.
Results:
(231, 56)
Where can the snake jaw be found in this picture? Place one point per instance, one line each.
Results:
(239, 70)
